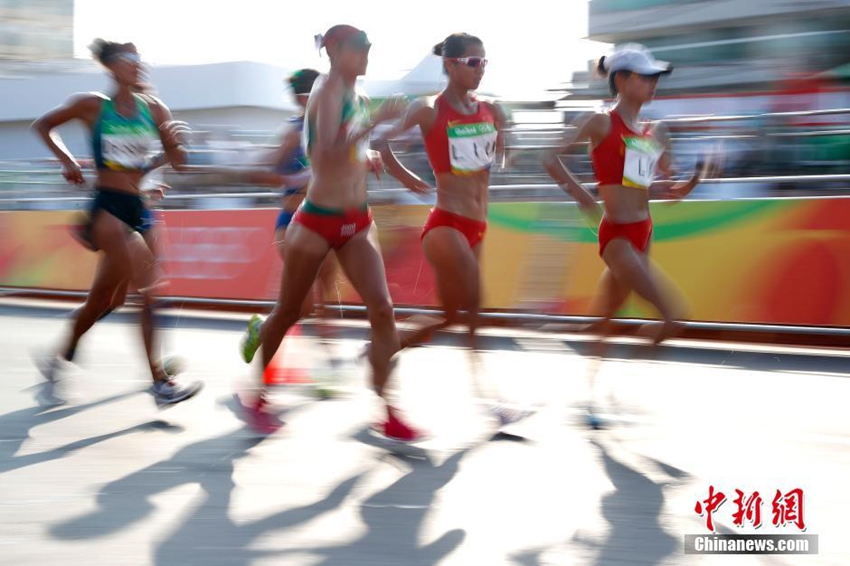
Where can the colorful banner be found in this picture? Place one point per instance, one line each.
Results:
(778, 261)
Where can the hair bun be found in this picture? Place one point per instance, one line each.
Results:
(96, 46)
(601, 67)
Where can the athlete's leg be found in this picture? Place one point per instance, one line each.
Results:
(305, 252)
(360, 259)
(632, 269)
(457, 276)
(113, 272)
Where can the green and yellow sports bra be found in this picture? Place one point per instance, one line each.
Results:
(124, 144)
(355, 119)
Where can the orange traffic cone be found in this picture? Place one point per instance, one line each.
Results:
(278, 372)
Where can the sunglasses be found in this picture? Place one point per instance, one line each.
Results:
(474, 62)
(128, 56)
(358, 41)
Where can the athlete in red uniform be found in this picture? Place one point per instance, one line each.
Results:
(463, 137)
(626, 155)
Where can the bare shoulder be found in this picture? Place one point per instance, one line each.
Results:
(327, 85)
(158, 108)
(152, 100)
(86, 100)
(81, 105)
(596, 123)
(492, 104)
(423, 105)
(495, 107)
(660, 131)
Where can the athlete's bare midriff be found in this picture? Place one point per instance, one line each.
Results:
(337, 183)
(465, 195)
(624, 205)
(122, 181)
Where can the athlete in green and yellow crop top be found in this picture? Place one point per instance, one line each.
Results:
(124, 143)
(355, 119)
(125, 128)
(335, 216)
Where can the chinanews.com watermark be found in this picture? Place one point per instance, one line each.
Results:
(751, 544)
(787, 512)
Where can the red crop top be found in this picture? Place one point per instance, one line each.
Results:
(461, 143)
(626, 157)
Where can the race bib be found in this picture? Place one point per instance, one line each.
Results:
(125, 148)
(472, 147)
(641, 160)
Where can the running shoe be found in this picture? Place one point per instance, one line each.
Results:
(256, 414)
(395, 429)
(593, 420)
(251, 339)
(167, 392)
(507, 415)
(51, 368)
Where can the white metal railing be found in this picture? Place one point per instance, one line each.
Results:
(39, 181)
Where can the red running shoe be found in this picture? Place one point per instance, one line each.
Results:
(395, 429)
(257, 415)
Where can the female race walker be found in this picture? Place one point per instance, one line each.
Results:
(464, 137)
(290, 161)
(335, 216)
(125, 126)
(626, 154)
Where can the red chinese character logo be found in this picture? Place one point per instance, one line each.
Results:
(748, 510)
(712, 504)
(788, 508)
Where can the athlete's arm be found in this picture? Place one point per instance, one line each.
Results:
(261, 173)
(77, 107)
(594, 130)
(172, 134)
(502, 124)
(417, 115)
(264, 172)
(683, 189)
(390, 109)
(329, 117)
(289, 142)
(257, 174)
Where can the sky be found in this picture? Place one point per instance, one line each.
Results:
(540, 47)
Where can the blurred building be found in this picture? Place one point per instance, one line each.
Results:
(36, 30)
(234, 101)
(242, 99)
(721, 46)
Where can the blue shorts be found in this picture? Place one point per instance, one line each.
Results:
(284, 219)
(147, 221)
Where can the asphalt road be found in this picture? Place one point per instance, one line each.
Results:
(109, 479)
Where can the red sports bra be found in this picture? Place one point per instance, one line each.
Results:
(461, 143)
(626, 157)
